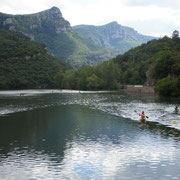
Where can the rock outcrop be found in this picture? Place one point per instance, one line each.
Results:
(50, 28)
(113, 35)
(51, 20)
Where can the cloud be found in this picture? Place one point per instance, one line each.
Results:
(175, 4)
(153, 27)
(149, 19)
(23, 7)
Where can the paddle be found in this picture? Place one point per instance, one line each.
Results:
(138, 113)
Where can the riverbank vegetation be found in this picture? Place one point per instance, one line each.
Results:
(102, 76)
(27, 64)
(155, 63)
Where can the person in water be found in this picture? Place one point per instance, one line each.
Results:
(143, 117)
(176, 108)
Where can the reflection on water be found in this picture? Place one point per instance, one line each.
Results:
(60, 136)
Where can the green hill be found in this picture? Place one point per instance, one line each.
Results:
(51, 29)
(156, 63)
(113, 35)
(25, 63)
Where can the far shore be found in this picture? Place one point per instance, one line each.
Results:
(27, 92)
(139, 89)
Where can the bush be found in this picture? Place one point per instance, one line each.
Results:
(166, 87)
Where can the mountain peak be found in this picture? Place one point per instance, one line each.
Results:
(53, 20)
(54, 8)
(53, 12)
(113, 35)
(113, 23)
(49, 21)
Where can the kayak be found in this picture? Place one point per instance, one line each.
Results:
(143, 121)
(176, 111)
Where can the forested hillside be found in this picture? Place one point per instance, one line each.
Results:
(50, 28)
(154, 63)
(26, 64)
(113, 35)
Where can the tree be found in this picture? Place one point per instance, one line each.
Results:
(69, 81)
(83, 73)
(110, 73)
(94, 82)
(162, 65)
(59, 78)
(175, 34)
(166, 87)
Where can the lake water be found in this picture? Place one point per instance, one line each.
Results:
(53, 134)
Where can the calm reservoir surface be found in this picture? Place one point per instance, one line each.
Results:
(51, 134)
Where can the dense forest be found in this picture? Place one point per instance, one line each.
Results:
(155, 63)
(25, 63)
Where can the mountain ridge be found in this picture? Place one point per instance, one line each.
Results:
(113, 35)
(50, 28)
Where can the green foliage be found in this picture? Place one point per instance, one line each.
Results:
(59, 44)
(175, 34)
(94, 82)
(102, 76)
(160, 57)
(162, 64)
(113, 36)
(55, 32)
(26, 64)
(69, 80)
(109, 73)
(167, 87)
(59, 78)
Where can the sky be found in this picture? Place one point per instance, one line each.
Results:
(148, 17)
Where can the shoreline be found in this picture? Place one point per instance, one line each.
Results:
(140, 89)
(26, 92)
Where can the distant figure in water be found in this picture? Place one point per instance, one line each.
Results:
(176, 109)
(143, 117)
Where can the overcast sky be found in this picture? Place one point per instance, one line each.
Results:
(148, 17)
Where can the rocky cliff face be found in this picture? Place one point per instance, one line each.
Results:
(113, 35)
(54, 16)
(51, 20)
(50, 28)
(53, 13)
(83, 45)
(149, 80)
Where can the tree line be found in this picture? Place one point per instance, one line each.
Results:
(99, 77)
(159, 57)
(27, 64)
